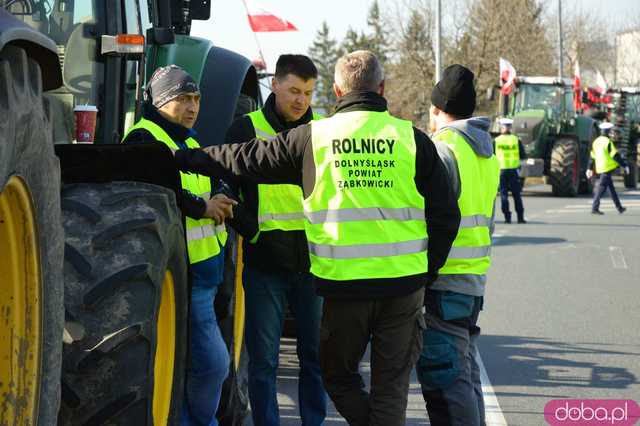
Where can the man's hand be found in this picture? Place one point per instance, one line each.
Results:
(626, 170)
(219, 208)
(589, 173)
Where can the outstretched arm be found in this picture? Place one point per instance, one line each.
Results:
(275, 161)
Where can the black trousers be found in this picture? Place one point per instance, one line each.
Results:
(509, 181)
(605, 181)
(394, 327)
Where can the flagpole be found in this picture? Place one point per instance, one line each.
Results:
(255, 36)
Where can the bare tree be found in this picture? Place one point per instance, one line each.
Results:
(513, 29)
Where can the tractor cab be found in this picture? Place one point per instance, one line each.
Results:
(107, 50)
(555, 139)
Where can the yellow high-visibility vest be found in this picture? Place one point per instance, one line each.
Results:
(600, 152)
(365, 217)
(507, 151)
(479, 180)
(279, 205)
(204, 237)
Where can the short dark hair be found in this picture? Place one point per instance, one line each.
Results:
(298, 65)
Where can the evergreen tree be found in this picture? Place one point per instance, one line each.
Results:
(354, 41)
(324, 53)
(410, 77)
(378, 40)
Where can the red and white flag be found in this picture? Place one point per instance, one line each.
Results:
(601, 83)
(262, 20)
(507, 76)
(577, 90)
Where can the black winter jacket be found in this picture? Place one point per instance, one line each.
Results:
(289, 159)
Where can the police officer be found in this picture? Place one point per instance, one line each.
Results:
(373, 188)
(276, 257)
(606, 160)
(509, 151)
(448, 367)
(169, 115)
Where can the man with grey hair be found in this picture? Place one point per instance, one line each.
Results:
(374, 187)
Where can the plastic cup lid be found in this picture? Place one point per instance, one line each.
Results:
(91, 108)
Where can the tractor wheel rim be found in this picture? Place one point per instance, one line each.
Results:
(20, 305)
(165, 353)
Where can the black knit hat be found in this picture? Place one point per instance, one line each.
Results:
(454, 93)
(167, 83)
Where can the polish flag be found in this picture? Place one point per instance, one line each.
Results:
(601, 83)
(507, 76)
(262, 20)
(577, 91)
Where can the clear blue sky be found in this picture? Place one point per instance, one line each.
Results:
(229, 27)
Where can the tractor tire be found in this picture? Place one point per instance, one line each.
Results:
(631, 179)
(126, 305)
(31, 248)
(564, 170)
(234, 400)
(638, 160)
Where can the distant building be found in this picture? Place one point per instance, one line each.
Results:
(628, 58)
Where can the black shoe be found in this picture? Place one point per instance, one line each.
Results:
(507, 220)
(622, 210)
(596, 212)
(521, 220)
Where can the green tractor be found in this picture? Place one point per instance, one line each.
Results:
(94, 288)
(557, 141)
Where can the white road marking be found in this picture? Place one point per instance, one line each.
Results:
(617, 258)
(492, 411)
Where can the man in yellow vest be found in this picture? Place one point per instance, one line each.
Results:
(373, 188)
(509, 151)
(448, 367)
(605, 159)
(276, 258)
(169, 114)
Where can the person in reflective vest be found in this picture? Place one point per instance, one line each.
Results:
(509, 151)
(380, 218)
(276, 259)
(168, 117)
(448, 366)
(605, 159)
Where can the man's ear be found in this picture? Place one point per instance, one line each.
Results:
(274, 84)
(337, 91)
(381, 88)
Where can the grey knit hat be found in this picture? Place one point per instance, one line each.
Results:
(167, 83)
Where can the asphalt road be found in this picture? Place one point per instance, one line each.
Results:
(561, 318)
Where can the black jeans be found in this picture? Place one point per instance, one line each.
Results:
(509, 181)
(605, 181)
(394, 327)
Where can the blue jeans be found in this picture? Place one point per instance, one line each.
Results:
(266, 294)
(208, 355)
(605, 181)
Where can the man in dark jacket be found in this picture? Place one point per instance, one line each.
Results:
(169, 115)
(276, 258)
(374, 186)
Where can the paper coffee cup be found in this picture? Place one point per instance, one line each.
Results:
(86, 116)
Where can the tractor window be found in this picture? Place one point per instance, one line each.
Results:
(568, 101)
(540, 96)
(71, 24)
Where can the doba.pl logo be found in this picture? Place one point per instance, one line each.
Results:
(592, 412)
